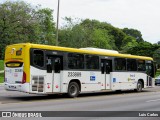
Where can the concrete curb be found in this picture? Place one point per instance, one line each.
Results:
(2, 71)
(1, 84)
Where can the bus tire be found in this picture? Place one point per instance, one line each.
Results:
(139, 86)
(73, 90)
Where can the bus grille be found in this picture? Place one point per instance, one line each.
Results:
(38, 83)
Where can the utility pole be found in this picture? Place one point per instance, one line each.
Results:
(57, 23)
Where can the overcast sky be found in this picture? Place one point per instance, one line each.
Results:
(138, 14)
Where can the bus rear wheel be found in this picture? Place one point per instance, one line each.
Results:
(139, 86)
(73, 90)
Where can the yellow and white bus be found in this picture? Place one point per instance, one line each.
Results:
(44, 69)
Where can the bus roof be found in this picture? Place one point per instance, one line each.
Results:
(85, 51)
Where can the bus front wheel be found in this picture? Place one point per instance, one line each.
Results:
(139, 86)
(73, 90)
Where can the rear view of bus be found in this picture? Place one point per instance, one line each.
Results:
(15, 67)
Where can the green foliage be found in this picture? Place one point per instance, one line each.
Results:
(88, 33)
(92, 33)
(1, 65)
(1, 68)
(21, 22)
(156, 55)
(101, 39)
(128, 43)
(118, 36)
(143, 49)
(72, 35)
(46, 26)
(1, 77)
(134, 33)
(157, 73)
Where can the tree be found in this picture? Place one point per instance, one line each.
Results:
(143, 49)
(21, 22)
(74, 37)
(118, 36)
(156, 56)
(14, 21)
(46, 26)
(87, 33)
(134, 33)
(17, 20)
(115, 35)
(128, 43)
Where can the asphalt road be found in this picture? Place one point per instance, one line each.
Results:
(148, 100)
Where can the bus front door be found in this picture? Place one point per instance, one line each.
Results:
(54, 68)
(106, 68)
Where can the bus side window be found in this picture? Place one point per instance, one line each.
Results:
(75, 61)
(131, 65)
(109, 67)
(57, 65)
(141, 65)
(102, 67)
(92, 62)
(120, 64)
(49, 66)
(38, 58)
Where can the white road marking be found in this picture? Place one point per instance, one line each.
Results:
(153, 100)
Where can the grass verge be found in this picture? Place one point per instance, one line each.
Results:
(1, 77)
(1, 65)
(157, 72)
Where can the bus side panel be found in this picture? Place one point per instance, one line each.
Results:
(64, 82)
(126, 80)
(90, 81)
(37, 80)
(43, 82)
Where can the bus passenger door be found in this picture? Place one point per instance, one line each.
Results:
(54, 67)
(150, 70)
(106, 68)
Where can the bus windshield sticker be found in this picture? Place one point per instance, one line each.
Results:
(114, 79)
(92, 78)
